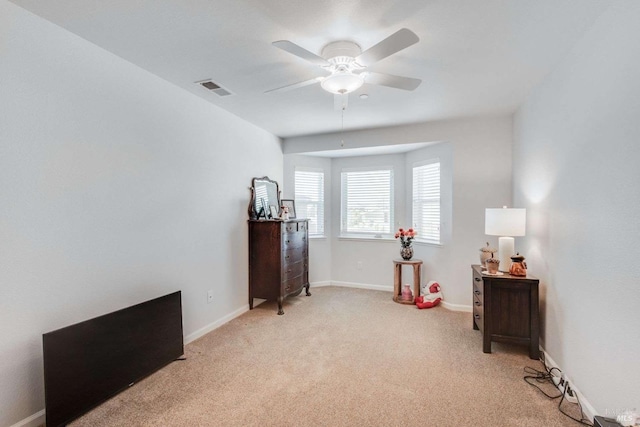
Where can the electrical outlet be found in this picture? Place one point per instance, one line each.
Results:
(209, 296)
(570, 395)
(359, 265)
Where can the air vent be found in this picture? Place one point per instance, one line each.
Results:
(214, 87)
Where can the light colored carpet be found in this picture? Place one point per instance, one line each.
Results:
(342, 357)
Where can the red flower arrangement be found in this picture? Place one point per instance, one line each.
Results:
(406, 236)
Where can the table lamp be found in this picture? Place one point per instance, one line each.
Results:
(506, 223)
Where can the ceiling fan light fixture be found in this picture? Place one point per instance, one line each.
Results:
(342, 82)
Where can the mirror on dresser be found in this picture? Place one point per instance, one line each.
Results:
(265, 194)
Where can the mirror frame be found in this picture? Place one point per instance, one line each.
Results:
(253, 213)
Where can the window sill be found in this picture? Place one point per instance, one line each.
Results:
(318, 237)
(425, 243)
(367, 238)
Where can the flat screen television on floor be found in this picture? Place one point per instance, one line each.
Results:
(89, 362)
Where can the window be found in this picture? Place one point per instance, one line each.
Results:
(367, 202)
(309, 185)
(426, 201)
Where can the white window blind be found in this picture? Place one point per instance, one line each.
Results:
(309, 198)
(367, 202)
(426, 201)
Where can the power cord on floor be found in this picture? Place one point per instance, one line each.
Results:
(534, 377)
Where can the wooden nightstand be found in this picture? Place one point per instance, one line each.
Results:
(505, 308)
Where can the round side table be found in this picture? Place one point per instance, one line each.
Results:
(397, 279)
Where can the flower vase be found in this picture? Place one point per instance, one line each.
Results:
(406, 252)
(407, 295)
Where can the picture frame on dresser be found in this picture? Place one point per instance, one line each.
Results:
(273, 212)
(290, 204)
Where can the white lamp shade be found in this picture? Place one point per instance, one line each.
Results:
(342, 82)
(505, 222)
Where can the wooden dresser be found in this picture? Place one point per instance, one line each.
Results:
(505, 308)
(278, 259)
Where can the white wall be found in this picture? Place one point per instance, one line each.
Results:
(116, 187)
(438, 260)
(375, 256)
(576, 170)
(480, 150)
(319, 247)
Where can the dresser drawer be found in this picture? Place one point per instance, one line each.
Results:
(293, 284)
(294, 240)
(294, 227)
(290, 227)
(293, 270)
(294, 254)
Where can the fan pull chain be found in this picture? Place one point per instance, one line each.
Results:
(342, 129)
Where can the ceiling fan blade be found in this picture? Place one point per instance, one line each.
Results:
(294, 85)
(397, 41)
(398, 82)
(340, 101)
(300, 52)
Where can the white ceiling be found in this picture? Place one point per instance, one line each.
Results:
(474, 57)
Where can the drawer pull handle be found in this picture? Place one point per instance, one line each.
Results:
(289, 271)
(478, 303)
(477, 279)
(286, 257)
(477, 292)
(477, 316)
(287, 288)
(288, 241)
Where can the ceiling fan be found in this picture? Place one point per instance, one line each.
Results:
(348, 65)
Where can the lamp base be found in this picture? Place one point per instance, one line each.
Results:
(506, 249)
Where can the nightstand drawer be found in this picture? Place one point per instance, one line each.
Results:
(477, 302)
(478, 286)
(478, 318)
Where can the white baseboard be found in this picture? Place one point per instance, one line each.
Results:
(386, 288)
(34, 420)
(457, 307)
(587, 408)
(389, 288)
(320, 284)
(215, 325)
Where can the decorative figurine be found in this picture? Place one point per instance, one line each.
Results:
(407, 295)
(284, 215)
(492, 265)
(486, 253)
(518, 266)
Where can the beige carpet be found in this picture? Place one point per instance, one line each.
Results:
(342, 357)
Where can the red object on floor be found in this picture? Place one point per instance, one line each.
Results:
(430, 300)
(427, 304)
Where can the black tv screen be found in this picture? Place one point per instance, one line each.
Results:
(89, 362)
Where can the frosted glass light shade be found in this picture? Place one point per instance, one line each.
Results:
(340, 83)
(505, 222)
